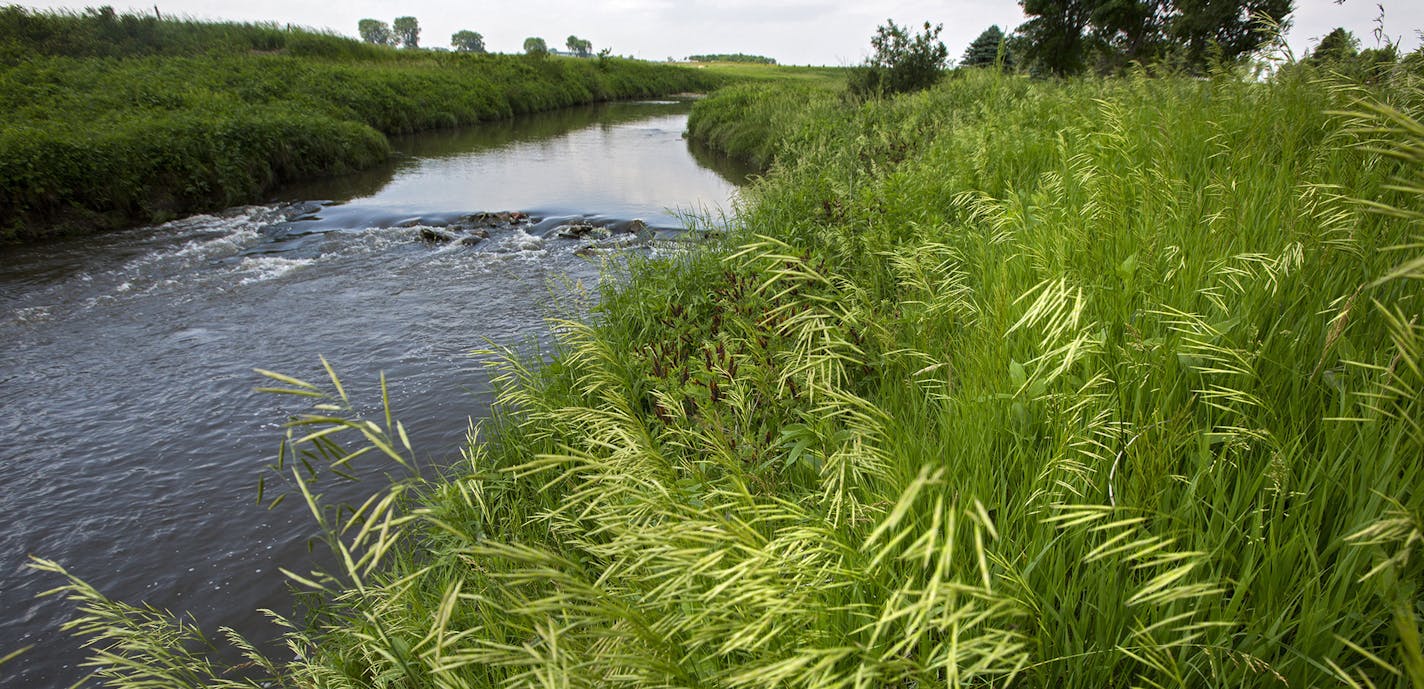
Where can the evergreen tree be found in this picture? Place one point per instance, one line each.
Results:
(984, 51)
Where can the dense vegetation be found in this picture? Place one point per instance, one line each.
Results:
(1064, 384)
(113, 120)
(732, 57)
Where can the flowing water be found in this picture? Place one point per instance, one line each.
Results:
(131, 434)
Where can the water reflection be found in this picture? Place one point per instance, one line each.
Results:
(561, 162)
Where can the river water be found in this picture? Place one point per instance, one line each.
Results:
(131, 434)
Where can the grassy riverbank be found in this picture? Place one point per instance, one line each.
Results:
(113, 121)
(1084, 384)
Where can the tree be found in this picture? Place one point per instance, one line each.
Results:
(536, 46)
(579, 46)
(902, 63)
(984, 51)
(1337, 46)
(1228, 28)
(375, 31)
(1054, 39)
(1061, 34)
(407, 31)
(466, 41)
(1125, 31)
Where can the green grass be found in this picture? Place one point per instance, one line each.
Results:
(830, 78)
(1083, 384)
(183, 116)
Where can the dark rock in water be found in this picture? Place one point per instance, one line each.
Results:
(587, 252)
(641, 229)
(435, 235)
(502, 219)
(474, 239)
(580, 230)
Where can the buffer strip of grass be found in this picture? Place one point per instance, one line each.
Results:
(1086, 384)
(185, 117)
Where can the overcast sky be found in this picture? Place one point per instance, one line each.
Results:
(791, 31)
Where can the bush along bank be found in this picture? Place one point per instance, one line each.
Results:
(97, 142)
(1072, 384)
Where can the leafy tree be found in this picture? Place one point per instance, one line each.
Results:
(1054, 38)
(407, 31)
(984, 51)
(1061, 35)
(902, 63)
(1124, 31)
(536, 46)
(1229, 28)
(467, 41)
(579, 46)
(1337, 46)
(375, 31)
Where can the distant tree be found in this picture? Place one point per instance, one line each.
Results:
(1337, 46)
(467, 41)
(984, 51)
(732, 57)
(536, 46)
(407, 31)
(579, 46)
(901, 63)
(1228, 28)
(376, 31)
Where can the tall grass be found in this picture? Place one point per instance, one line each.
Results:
(168, 117)
(1084, 384)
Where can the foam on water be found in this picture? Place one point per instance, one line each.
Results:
(264, 268)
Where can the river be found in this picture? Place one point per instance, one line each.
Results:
(131, 433)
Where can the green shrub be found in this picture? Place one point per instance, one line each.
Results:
(902, 63)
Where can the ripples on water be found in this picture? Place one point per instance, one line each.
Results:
(131, 436)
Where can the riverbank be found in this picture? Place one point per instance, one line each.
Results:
(146, 120)
(1076, 384)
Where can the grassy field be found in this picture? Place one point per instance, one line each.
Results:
(828, 78)
(113, 121)
(1052, 384)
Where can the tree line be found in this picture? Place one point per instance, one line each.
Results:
(732, 57)
(1064, 38)
(405, 32)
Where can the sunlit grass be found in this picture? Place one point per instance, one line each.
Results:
(829, 78)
